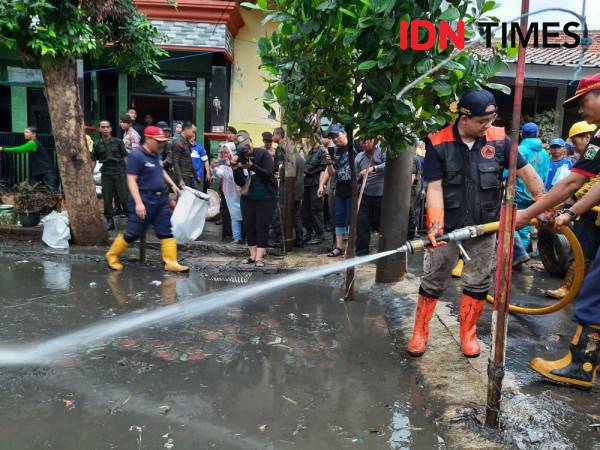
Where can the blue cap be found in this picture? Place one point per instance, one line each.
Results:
(570, 148)
(474, 102)
(558, 142)
(530, 129)
(336, 128)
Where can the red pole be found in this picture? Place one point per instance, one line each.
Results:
(504, 254)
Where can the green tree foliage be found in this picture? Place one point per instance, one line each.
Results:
(48, 31)
(343, 57)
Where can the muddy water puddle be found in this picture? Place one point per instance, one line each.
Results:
(296, 368)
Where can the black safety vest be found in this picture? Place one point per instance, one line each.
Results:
(472, 178)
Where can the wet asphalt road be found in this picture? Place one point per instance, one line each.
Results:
(293, 369)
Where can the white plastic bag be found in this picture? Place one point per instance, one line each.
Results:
(56, 230)
(189, 216)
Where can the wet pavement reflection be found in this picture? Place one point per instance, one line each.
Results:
(293, 369)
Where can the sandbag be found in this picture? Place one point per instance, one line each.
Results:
(188, 219)
(56, 230)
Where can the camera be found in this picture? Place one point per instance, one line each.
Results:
(243, 155)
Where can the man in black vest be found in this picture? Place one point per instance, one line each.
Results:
(463, 168)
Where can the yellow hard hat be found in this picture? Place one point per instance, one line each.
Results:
(581, 127)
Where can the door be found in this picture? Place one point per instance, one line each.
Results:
(182, 110)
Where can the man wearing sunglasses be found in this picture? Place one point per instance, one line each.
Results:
(463, 167)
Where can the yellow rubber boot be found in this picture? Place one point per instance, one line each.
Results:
(168, 249)
(565, 285)
(580, 365)
(112, 255)
(458, 268)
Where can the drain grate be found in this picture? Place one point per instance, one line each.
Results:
(238, 277)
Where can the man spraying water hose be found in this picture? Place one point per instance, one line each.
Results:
(579, 366)
(147, 182)
(463, 166)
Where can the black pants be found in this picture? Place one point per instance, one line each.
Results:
(257, 216)
(113, 186)
(313, 211)
(414, 214)
(48, 179)
(225, 219)
(298, 229)
(368, 221)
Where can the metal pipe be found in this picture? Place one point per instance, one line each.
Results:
(504, 254)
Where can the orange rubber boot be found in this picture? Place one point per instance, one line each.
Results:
(425, 309)
(470, 311)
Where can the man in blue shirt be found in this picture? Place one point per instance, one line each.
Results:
(147, 182)
(201, 165)
(560, 165)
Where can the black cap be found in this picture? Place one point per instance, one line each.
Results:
(125, 118)
(267, 136)
(475, 101)
(163, 126)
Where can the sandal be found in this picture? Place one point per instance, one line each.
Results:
(335, 252)
(247, 261)
(259, 263)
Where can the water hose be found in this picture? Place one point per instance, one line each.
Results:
(479, 230)
(579, 269)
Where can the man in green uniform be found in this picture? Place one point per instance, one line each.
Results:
(316, 162)
(111, 152)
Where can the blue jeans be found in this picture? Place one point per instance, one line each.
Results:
(343, 211)
(519, 250)
(236, 229)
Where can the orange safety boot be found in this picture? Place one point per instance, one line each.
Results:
(425, 309)
(580, 365)
(470, 311)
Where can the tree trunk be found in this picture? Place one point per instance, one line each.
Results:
(288, 201)
(395, 209)
(74, 162)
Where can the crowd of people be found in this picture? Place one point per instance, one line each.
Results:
(251, 182)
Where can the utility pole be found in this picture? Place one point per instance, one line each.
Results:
(504, 254)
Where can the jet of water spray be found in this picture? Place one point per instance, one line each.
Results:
(51, 351)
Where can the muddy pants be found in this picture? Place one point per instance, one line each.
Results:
(476, 275)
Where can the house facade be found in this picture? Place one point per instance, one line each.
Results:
(210, 76)
(550, 78)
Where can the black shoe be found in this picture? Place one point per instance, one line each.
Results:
(314, 241)
(307, 238)
(299, 243)
(274, 244)
(110, 224)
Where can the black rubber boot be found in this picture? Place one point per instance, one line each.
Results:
(579, 366)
